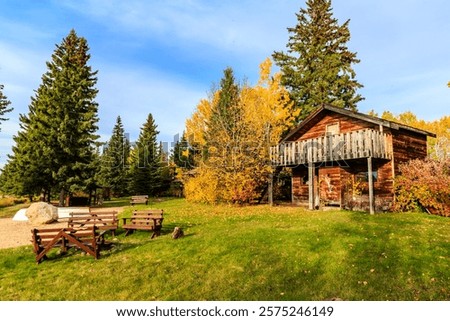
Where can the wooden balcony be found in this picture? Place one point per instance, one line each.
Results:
(352, 145)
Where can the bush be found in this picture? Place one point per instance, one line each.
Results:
(424, 185)
(10, 201)
(212, 186)
(203, 187)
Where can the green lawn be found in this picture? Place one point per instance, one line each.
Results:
(11, 210)
(249, 253)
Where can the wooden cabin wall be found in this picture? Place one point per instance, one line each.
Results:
(346, 124)
(406, 146)
(300, 184)
(336, 183)
(353, 185)
(330, 185)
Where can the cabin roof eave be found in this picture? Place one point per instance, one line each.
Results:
(357, 115)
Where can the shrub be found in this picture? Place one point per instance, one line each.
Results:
(203, 187)
(10, 201)
(424, 185)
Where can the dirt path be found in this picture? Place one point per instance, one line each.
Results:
(18, 233)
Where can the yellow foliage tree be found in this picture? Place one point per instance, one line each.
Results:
(232, 135)
(438, 147)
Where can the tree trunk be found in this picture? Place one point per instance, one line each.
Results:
(62, 195)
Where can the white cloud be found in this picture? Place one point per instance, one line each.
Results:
(241, 27)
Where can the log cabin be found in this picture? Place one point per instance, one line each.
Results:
(347, 159)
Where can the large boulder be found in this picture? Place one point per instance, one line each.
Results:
(42, 213)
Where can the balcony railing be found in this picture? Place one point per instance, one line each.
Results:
(352, 145)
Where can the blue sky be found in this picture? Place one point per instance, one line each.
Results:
(162, 57)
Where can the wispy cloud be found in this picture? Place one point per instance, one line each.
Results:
(243, 26)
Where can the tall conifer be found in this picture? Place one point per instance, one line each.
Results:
(55, 147)
(4, 103)
(145, 161)
(114, 161)
(317, 67)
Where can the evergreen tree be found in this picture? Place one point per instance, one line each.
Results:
(145, 161)
(317, 68)
(225, 113)
(4, 103)
(114, 161)
(166, 170)
(183, 155)
(56, 145)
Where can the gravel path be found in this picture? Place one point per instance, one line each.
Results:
(18, 233)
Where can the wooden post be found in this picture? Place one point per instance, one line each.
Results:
(270, 189)
(311, 199)
(370, 174)
(292, 188)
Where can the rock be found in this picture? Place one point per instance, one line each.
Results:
(42, 213)
(177, 233)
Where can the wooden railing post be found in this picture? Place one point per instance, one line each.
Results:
(311, 196)
(270, 189)
(351, 145)
(370, 174)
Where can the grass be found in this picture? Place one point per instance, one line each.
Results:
(9, 211)
(249, 253)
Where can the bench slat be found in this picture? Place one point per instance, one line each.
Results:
(46, 239)
(148, 220)
(106, 220)
(139, 199)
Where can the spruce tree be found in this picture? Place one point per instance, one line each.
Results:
(224, 125)
(183, 155)
(114, 161)
(145, 161)
(317, 67)
(4, 103)
(57, 140)
(225, 113)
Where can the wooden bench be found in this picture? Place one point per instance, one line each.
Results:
(46, 239)
(147, 220)
(105, 221)
(139, 199)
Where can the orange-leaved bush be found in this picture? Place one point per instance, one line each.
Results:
(424, 185)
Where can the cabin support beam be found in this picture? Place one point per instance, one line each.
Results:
(370, 174)
(270, 189)
(311, 171)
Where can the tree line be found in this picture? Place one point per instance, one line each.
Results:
(223, 153)
(57, 151)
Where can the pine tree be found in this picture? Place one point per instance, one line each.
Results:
(224, 124)
(114, 161)
(183, 155)
(225, 113)
(4, 103)
(145, 161)
(57, 140)
(317, 68)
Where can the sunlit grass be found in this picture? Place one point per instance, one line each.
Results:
(249, 253)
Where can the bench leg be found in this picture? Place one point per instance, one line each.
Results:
(155, 234)
(128, 232)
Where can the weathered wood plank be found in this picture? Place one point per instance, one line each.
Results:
(345, 146)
